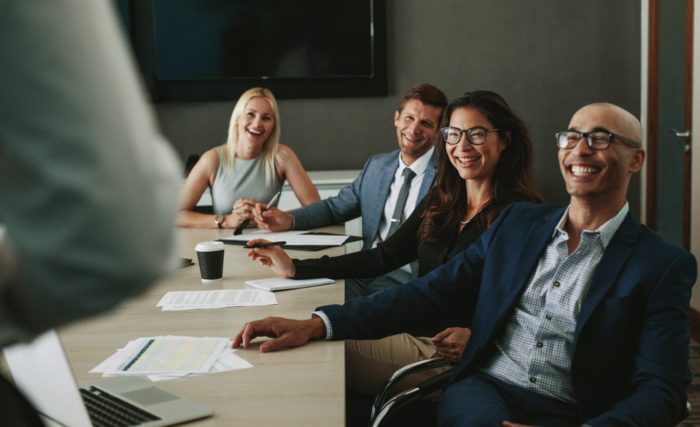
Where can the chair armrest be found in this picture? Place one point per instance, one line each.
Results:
(401, 399)
(394, 403)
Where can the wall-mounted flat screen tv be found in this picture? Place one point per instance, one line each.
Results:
(193, 50)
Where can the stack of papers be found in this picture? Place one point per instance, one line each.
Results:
(168, 357)
(280, 284)
(190, 300)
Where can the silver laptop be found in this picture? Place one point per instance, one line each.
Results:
(41, 371)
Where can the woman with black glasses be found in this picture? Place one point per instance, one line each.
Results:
(484, 164)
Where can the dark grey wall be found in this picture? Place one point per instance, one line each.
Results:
(546, 57)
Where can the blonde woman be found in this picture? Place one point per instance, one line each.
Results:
(251, 167)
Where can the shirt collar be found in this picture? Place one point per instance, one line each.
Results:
(419, 166)
(606, 230)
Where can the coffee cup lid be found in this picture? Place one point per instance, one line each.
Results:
(209, 246)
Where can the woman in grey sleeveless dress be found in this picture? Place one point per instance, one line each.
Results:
(250, 167)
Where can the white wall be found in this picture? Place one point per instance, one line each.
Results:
(695, 141)
(643, 109)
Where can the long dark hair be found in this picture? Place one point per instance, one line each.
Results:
(511, 180)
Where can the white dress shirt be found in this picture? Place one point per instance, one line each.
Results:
(418, 167)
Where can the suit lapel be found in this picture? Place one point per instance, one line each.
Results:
(429, 177)
(617, 252)
(383, 187)
(537, 239)
(502, 294)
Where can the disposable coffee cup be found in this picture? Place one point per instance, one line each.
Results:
(211, 260)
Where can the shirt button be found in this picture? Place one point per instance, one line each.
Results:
(556, 284)
(533, 379)
(548, 317)
(539, 344)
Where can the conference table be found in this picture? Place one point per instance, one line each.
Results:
(298, 387)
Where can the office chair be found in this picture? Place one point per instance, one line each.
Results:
(192, 160)
(384, 405)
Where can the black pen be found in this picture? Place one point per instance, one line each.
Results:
(266, 245)
(245, 223)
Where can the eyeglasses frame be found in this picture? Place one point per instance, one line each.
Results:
(466, 133)
(589, 140)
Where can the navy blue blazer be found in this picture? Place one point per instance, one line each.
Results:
(630, 361)
(365, 197)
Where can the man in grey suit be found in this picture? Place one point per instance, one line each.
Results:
(381, 186)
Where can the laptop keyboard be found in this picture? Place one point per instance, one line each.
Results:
(109, 411)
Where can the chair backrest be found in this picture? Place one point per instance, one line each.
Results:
(192, 160)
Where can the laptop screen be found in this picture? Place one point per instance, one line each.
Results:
(41, 371)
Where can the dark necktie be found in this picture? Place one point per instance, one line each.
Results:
(398, 218)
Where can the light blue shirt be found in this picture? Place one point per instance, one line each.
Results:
(536, 349)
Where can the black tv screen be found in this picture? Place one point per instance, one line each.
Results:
(216, 49)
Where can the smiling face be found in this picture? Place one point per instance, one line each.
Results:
(601, 176)
(255, 125)
(416, 129)
(474, 162)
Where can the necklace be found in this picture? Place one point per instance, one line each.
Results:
(467, 221)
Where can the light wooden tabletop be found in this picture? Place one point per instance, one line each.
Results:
(299, 387)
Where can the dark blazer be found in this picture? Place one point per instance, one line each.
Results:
(365, 197)
(399, 249)
(630, 361)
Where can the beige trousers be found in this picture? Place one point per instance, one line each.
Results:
(369, 363)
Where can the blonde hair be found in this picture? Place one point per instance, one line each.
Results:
(269, 147)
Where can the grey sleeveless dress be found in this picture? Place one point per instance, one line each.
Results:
(246, 180)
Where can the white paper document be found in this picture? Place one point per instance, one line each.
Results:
(280, 284)
(169, 357)
(190, 300)
(292, 238)
(227, 361)
(155, 355)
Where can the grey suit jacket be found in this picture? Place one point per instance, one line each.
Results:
(365, 197)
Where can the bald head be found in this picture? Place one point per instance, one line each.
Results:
(598, 178)
(617, 120)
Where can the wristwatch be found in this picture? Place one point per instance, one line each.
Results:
(219, 218)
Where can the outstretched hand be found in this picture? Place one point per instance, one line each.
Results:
(271, 219)
(274, 257)
(451, 342)
(285, 333)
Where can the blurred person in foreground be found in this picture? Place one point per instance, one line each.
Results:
(88, 186)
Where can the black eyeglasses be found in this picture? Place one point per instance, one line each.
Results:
(475, 135)
(596, 140)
